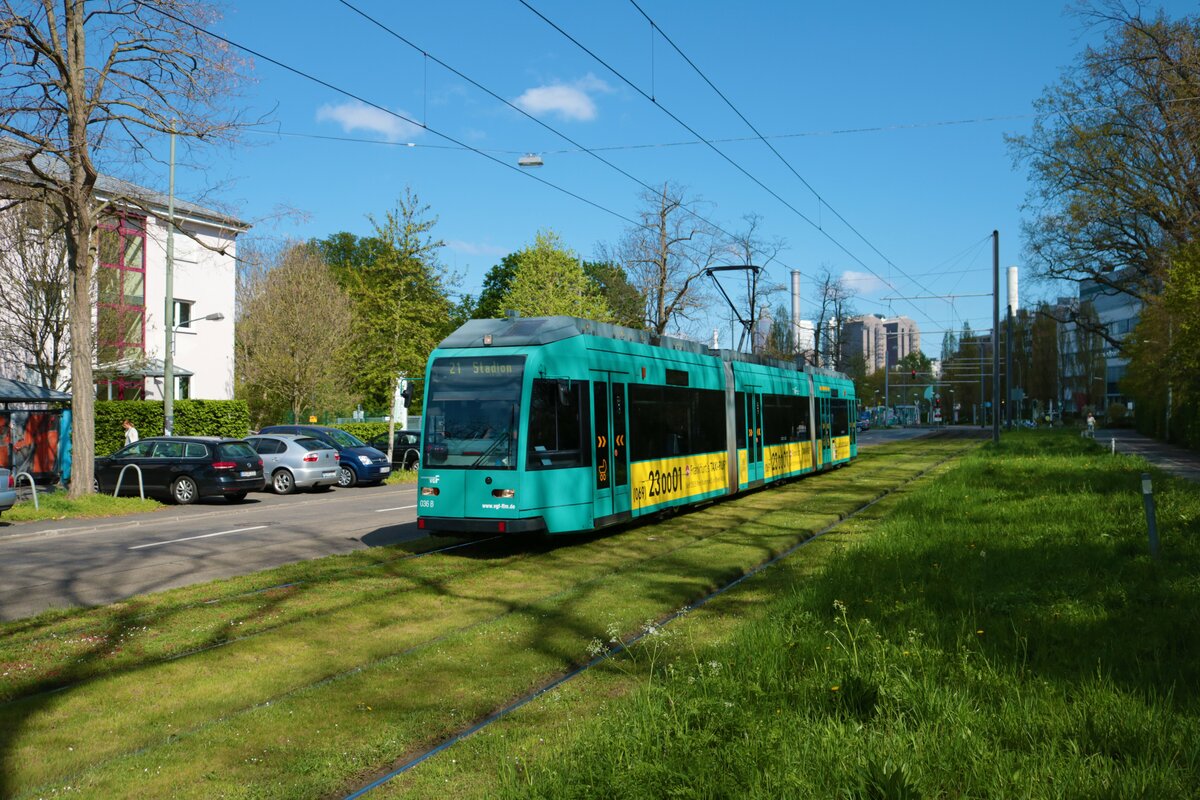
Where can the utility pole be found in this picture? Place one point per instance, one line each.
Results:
(996, 336)
(169, 304)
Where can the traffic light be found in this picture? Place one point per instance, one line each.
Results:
(937, 402)
(914, 374)
(406, 394)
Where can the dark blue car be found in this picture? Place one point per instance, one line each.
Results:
(358, 462)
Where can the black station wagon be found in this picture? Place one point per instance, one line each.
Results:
(183, 468)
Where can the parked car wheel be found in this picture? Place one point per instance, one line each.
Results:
(346, 477)
(415, 463)
(283, 482)
(184, 491)
(236, 497)
(96, 485)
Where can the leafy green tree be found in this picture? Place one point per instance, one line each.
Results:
(949, 344)
(1112, 157)
(1086, 365)
(495, 287)
(344, 252)
(779, 340)
(549, 280)
(608, 278)
(623, 298)
(1164, 370)
(401, 307)
(282, 367)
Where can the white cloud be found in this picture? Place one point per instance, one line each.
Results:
(473, 249)
(863, 282)
(356, 116)
(570, 101)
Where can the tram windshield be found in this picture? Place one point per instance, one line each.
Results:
(471, 415)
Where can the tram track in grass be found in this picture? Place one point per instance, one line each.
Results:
(616, 648)
(543, 628)
(140, 628)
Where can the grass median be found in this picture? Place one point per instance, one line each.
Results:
(57, 505)
(997, 632)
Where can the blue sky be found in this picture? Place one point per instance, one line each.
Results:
(895, 113)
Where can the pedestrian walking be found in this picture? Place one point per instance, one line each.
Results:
(1091, 425)
(131, 434)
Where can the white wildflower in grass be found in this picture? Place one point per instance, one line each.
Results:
(596, 648)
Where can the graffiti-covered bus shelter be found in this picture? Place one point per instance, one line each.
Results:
(35, 425)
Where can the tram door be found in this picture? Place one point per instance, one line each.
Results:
(611, 463)
(824, 431)
(754, 435)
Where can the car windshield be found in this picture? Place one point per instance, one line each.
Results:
(235, 450)
(343, 439)
(471, 417)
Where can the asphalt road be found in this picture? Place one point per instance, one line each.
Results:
(92, 562)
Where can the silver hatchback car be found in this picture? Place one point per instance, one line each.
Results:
(292, 462)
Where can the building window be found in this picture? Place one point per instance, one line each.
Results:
(121, 301)
(183, 313)
(183, 387)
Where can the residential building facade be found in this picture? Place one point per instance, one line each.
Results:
(130, 299)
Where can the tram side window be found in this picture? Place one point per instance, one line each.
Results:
(841, 417)
(667, 421)
(777, 419)
(558, 411)
(800, 419)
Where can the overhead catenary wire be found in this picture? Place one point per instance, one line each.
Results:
(523, 112)
(479, 151)
(707, 142)
(763, 139)
(345, 92)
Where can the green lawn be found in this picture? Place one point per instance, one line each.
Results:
(57, 505)
(999, 632)
(307, 679)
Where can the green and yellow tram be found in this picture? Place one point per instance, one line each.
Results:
(559, 424)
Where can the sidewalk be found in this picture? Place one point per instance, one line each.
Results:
(1167, 457)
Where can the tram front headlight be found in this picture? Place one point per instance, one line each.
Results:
(503, 493)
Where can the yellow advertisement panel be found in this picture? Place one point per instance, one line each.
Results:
(743, 468)
(786, 459)
(841, 448)
(652, 483)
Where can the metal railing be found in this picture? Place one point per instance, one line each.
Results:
(121, 475)
(32, 487)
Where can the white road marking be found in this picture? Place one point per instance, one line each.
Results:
(202, 536)
(397, 508)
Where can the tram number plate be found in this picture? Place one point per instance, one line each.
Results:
(667, 481)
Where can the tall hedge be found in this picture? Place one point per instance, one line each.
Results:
(229, 418)
(364, 430)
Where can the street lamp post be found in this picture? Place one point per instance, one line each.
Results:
(169, 305)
